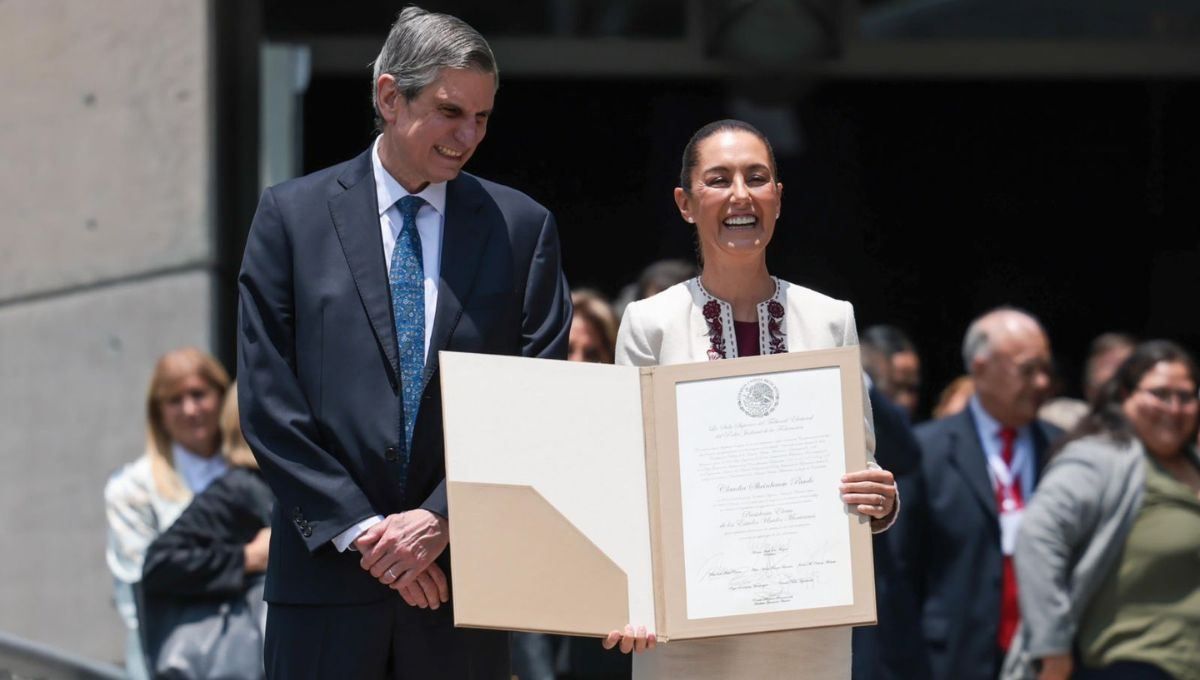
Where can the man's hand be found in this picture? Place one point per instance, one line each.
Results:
(429, 590)
(256, 551)
(1056, 667)
(402, 546)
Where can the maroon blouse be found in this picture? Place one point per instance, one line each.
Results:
(747, 338)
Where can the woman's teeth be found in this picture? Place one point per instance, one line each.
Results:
(740, 220)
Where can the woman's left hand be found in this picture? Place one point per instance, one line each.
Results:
(870, 492)
(632, 640)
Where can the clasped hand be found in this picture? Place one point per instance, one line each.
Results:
(400, 552)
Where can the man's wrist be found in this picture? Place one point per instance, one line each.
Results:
(346, 539)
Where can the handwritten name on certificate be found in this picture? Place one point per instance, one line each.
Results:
(764, 527)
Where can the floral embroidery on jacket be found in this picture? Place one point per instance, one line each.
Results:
(718, 314)
(716, 330)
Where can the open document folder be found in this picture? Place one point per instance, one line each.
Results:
(696, 499)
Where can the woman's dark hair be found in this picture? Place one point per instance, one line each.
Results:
(691, 155)
(1106, 416)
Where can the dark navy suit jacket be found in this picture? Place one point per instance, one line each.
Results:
(318, 373)
(891, 650)
(948, 540)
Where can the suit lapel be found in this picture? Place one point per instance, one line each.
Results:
(971, 462)
(355, 214)
(463, 238)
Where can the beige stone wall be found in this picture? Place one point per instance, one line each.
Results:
(106, 251)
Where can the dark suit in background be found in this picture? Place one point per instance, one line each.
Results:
(948, 537)
(892, 649)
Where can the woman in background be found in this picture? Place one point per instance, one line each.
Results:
(181, 459)
(593, 328)
(217, 551)
(1108, 556)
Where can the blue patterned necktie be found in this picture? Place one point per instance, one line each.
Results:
(407, 279)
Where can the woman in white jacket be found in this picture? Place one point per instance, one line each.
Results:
(730, 192)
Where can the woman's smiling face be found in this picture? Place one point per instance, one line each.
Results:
(734, 199)
(1163, 408)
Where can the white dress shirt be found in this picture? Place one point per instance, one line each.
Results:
(431, 219)
(993, 447)
(196, 470)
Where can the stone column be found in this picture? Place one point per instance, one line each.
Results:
(107, 260)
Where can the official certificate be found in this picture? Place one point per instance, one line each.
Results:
(760, 460)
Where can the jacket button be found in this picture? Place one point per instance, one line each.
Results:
(391, 454)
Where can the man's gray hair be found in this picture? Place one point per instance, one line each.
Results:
(420, 45)
(977, 344)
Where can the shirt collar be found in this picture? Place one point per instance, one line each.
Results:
(196, 470)
(985, 423)
(388, 190)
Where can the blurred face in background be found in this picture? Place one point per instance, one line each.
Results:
(585, 342)
(1102, 367)
(903, 384)
(1163, 409)
(1013, 379)
(190, 413)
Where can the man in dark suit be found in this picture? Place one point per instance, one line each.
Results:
(891, 649)
(353, 278)
(963, 505)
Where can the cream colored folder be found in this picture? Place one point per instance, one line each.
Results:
(565, 503)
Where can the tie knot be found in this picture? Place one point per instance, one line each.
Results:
(409, 205)
(1007, 435)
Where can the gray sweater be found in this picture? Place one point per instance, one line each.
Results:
(1071, 536)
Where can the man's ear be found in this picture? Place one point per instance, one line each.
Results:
(388, 96)
(978, 365)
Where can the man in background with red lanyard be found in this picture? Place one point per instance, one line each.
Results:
(963, 506)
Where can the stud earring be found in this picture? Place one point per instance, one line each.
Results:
(691, 220)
